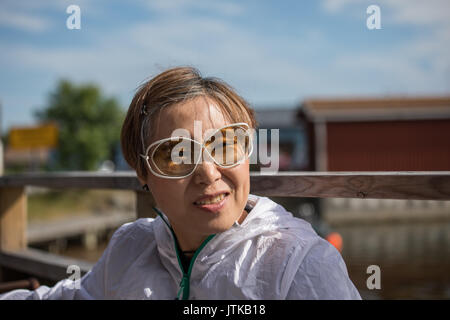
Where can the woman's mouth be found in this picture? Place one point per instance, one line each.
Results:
(212, 200)
(212, 203)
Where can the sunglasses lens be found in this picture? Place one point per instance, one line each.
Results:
(175, 158)
(229, 146)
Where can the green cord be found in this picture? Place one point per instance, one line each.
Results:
(184, 284)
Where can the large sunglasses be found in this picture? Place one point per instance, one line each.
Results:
(178, 157)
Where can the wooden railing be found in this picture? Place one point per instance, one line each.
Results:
(15, 254)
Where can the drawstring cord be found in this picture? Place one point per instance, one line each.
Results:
(184, 284)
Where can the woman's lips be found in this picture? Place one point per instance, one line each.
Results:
(209, 197)
(213, 207)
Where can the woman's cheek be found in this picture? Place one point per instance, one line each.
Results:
(161, 192)
(169, 194)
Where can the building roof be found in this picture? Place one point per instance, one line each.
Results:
(373, 109)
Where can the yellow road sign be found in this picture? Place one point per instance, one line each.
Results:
(45, 136)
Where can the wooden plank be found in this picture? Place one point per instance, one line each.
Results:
(144, 204)
(432, 185)
(41, 264)
(364, 185)
(75, 226)
(126, 180)
(13, 218)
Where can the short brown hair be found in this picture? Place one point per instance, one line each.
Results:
(168, 88)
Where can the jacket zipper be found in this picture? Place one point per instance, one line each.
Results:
(185, 280)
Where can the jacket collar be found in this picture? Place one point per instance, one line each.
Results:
(260, 219)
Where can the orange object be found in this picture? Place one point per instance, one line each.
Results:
(336, 240)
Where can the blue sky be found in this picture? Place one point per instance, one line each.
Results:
(274, 53)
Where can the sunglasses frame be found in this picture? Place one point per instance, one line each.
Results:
(203, 148)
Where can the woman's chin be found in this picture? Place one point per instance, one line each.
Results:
(217, 225)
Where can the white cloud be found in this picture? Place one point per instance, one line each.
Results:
(176, 6)
(398, 74)
(215, 46)
(23, 21)
(36, 16)
(411, 12)
(412, 63)
(265, 69)
(334, 6)
(416, 12)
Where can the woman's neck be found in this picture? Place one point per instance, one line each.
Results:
(190, 243)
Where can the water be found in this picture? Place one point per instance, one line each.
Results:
(414, 258)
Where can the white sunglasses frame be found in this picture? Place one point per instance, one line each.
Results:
(203, 148)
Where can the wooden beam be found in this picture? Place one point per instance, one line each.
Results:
(433, 185)
(41, 264)
(83, 180)
(13, 218)
(364, 185)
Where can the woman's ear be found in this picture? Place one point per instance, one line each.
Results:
(143, 183)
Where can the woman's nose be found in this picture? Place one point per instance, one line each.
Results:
(206, 173)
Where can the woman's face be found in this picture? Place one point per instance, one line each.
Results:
(183, 200)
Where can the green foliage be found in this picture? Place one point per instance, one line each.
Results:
(89, 125)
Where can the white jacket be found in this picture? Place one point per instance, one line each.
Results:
(271, 255)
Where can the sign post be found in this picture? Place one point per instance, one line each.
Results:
(34, 140)
(44, 136)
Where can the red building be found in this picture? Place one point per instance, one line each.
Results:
(384, 134)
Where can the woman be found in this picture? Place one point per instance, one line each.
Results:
(188, 138)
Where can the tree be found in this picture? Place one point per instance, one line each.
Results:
(89, 125)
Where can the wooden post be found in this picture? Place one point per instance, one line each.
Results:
(144, 203)
(13, 218)
(90, 240)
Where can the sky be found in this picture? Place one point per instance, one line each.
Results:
(274, 53)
